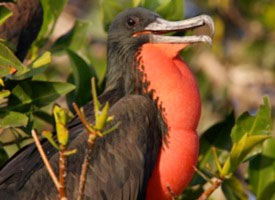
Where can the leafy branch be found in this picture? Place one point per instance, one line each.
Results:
(62, 116)
(248, 133)
(93, 131)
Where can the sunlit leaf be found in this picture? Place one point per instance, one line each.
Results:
(49, 136)
(12, 119)
(9, 63)
(61, 117)
(4, 94)
(262, 172)
(253, 125)
(44, 59)
(240, 150)
(51, 11)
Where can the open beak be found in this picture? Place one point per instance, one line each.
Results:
(160, 26)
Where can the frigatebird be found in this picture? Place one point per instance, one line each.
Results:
(154, 96)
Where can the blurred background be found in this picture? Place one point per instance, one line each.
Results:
(235, 73)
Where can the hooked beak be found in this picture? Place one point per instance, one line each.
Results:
(161, 26)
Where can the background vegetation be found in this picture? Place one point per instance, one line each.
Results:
(234, 76)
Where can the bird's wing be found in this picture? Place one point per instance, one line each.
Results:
(121, 163)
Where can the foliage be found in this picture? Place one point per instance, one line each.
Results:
(240, 152)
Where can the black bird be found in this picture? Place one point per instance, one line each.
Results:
(23, 26)
(155, 98)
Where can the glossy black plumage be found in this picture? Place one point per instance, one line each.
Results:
(122, 162)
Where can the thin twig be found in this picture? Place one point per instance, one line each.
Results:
(84, 171)
(62, 173)
(45, 160)
(206, 178)
(81, 117)
(205, 195)
(87, 158)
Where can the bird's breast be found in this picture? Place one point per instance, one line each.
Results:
(176, 89)
(173, 84)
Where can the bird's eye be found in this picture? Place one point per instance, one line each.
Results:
(131, 22)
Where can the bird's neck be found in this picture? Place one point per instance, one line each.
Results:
(178, 97)
(122, 70)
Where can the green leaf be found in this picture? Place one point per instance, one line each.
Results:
(61, 117)
(35, 68)
(253, 125)
(240, 150)
(5, 13)
(74, 39)
(3, 156)
(44, 59)
(9, 63)
(218, 135)
(102, 118)
(49, 136)
(44, 116)
(151, 4)
(4, 94)
(262, 172)
(37, 93)
(70, 152)
(136, 3)
(111, 8)
(60, 123)
(12, 119)
(171, 9)
(82, 75)
(233, 189)
(97, 104)
(51, 11)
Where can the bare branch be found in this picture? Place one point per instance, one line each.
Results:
(62, 173)
(206, 194)
(45, 160)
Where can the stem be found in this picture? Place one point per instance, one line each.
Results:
(206, 178)
(217, 162)
(81, 117)
(62, 173)
(205, 195)
(92, 134)
(84, 170)
(45, 160)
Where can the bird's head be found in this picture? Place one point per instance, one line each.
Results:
(134, 27)
(137, 26)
